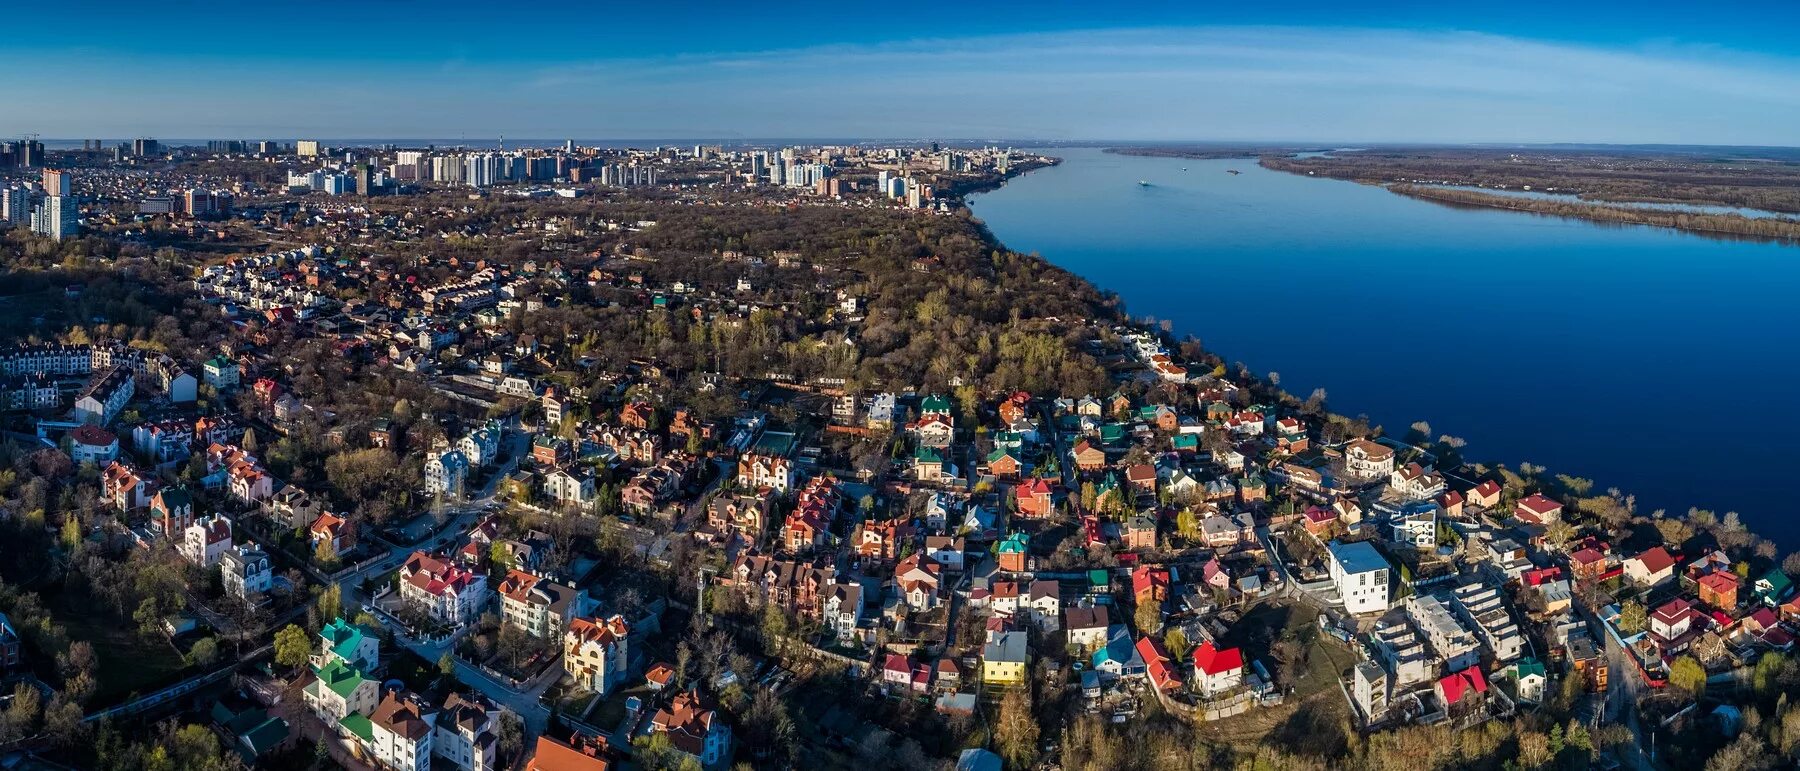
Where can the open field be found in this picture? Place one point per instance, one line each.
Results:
(1315, 715)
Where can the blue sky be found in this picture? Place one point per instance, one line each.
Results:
(1277, 71)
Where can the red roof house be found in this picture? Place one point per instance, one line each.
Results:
(1215, 670)
(1162, 672)
(1538, 510)
(1462, 690)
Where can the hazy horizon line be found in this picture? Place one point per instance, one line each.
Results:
(1016, 142)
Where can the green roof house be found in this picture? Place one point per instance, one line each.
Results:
(340, 690)
(359, 726)
(350, 644)
(1773, 587)
(1530, 678)
(1013, 551)
(263, 738)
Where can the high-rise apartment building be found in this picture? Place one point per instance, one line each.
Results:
(447, 169)
(15, 205)
(412, 165)
(56, 217)
(56, 182)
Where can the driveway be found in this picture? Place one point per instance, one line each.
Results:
(523, 701)
(294, 711)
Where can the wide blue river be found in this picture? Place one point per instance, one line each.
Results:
(1651, 360)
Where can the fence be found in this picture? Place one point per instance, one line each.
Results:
(175, 691)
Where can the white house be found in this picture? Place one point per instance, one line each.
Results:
(843, 609)
(401, 729)
(445, 592)
(205, 541)
(245, 571)
(1416, 525)
(1217, 671)
(92, 444)
(1415, 482)
(537, 606)
(338, 690)
(467, 733)
(1361, 576)
(1369, 689)
(220, 373)
(760, 470)
(481, 447)
(946, 551)
(105, 396)
(1368, 460)
(445, 472)
(1043, 603)
(343, 641)
(1086, 627)
(916, 579)
(1650, 568)
(571, 486)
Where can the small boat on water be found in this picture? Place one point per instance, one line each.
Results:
(1142, 183)
(1233, 172)
(1184, 168)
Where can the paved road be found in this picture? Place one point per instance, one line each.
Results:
(1622, 688)
(463, 517)
(524, 702)
(695, 510)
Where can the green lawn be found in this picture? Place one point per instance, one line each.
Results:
(1314, 713)
(128, 664)
(609, 712)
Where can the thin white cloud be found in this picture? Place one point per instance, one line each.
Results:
(1233, 83)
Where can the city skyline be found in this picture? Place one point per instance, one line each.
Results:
(1299, 73)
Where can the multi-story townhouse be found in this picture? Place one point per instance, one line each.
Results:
(444, 591)
(245, 571)
(401, 732)
(595, 652)
(467, 732)
(537, 606)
